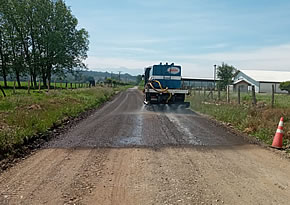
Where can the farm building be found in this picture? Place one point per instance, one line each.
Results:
(262, 80)
(199, 83)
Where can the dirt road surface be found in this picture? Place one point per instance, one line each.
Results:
(126, 153)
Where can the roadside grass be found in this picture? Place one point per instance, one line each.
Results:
(141, 85)
(22, 115)
(24, 87)
(258, 121)
(24, 84)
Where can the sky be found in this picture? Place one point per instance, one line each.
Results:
(128, 35)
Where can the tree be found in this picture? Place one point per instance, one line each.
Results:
(225, 73)
(40, 38)
(138, 79)
(285, 86)
(4, 50)
(91, 80)
(67, 46)
(108, 81)
(16, 54)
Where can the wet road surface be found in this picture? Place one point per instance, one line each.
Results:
(128, 153)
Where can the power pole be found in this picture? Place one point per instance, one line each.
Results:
(111, 79)
(119, 76)
(214, 75)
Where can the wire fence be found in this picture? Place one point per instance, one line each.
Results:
(26, 87)
(237, 97)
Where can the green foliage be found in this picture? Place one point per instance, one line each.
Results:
(108, 81)
(141, 85)
(114, 82)
(285, 86)
(39, 38)
(225, 73)
(138, 79)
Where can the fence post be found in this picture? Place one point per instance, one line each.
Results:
(39, 85)
(228, 94)
(273, 96)
(75, 85)
(239, 95)
(14, 87)
(211, 93)
(28, 87)
(254, 100)
(204, 92)
(71, 86)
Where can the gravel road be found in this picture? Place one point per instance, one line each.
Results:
(126, 153)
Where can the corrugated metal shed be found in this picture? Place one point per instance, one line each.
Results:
(268, 76)
(195, 78)
(190, 82)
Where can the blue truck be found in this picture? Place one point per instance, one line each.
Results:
(163, 85)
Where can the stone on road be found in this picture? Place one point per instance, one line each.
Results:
(126, 153)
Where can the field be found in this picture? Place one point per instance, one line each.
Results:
(259, 121)
(24, 87)
(23, 115)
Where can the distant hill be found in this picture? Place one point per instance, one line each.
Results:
(133, 72)
(82, 76)
(100, 76)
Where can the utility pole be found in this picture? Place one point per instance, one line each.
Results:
(111, 78)
(119, 76)
(214, 75)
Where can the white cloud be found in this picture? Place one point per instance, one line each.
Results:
(103, 62)
(267, 58)
(215, 46)
(275, 57)
(130, 49)
(129, 40)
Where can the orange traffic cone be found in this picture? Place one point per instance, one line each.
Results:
(278, 139)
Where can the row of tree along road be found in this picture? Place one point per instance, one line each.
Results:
(39, 38)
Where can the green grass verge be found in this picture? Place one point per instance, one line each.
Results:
(24, 84)
(281, 100)
(23, 116)
(259, 121)
(141, 85)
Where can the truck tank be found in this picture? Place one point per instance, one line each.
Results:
(163, 85)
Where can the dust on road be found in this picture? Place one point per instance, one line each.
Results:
(126, 153)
